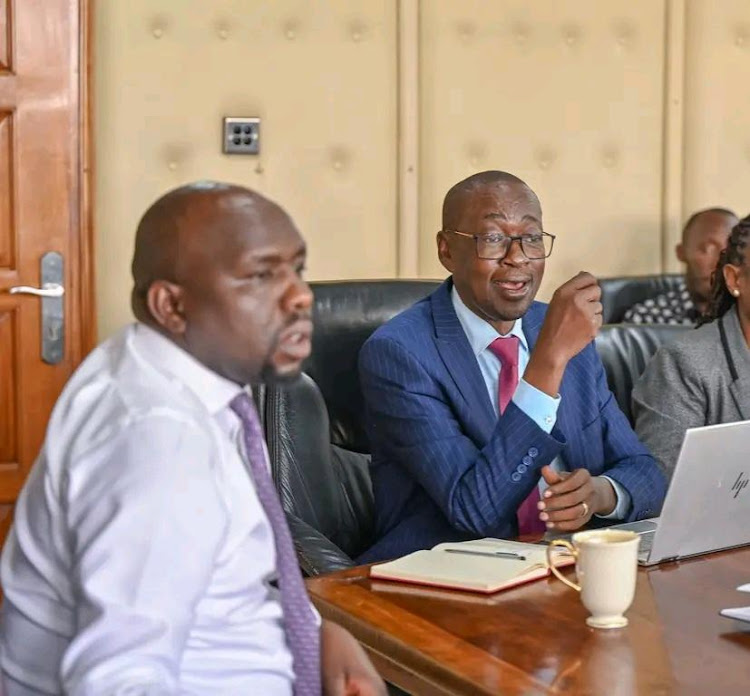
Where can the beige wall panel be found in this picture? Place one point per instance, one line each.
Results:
(321, 75)
(717, 105)
(567, 95)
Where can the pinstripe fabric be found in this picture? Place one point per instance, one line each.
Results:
(444, 467)
(506, 351)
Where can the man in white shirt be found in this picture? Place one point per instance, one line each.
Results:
(144, 557)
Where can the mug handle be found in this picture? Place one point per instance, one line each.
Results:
(573, 550)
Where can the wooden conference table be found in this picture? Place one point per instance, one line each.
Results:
(533, 639)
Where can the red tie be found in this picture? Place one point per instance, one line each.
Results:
(506, 350)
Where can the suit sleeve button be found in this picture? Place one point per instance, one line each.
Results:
(533, 452)
(527, 460)
(522, 468)
(515, 477)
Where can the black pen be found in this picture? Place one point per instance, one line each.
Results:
(493, 554)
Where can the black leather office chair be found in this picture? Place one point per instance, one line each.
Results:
(625, 350)
(620, 293)
(317, 443)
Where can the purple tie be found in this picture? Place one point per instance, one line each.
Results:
(506, 350)
(302, 632)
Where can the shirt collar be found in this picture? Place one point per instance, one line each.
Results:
(213, 390)
(480, 332)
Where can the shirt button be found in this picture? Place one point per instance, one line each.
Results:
(527, 460)
(533, 451)
(515, 477)
(522, 468)
(549, 420)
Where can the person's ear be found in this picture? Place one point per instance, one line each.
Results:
(444, 252)
(732, 279)
(680, 251)
(165, 302)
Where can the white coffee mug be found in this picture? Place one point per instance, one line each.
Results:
(606, 566)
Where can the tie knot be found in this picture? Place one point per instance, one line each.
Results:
(505, 348)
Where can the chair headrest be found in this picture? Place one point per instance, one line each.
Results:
(626, 349)
(619, 294)
(345, 314)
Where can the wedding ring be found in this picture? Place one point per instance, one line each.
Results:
(585, 509)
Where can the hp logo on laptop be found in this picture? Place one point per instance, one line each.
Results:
(739, 484)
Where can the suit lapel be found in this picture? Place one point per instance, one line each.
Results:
(459, 359)
(737, 355)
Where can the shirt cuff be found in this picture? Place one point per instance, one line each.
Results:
(540, 407)
(622, 508)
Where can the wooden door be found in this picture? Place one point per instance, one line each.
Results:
(43, 208)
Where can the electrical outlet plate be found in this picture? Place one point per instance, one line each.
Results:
(241, 135)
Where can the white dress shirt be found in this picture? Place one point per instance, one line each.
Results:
(537, 405)
(140, 558)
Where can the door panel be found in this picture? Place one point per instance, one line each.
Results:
(41, 193)
(6, 187)
(8, 401)
(4, 35)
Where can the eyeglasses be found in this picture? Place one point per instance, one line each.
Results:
(495, 247)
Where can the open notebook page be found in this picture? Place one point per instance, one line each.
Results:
(442, 567)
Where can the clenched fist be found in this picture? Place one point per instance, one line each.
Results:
(573, 320)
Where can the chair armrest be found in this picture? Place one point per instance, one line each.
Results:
(316, 553)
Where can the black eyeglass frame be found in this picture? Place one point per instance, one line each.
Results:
(511, 239)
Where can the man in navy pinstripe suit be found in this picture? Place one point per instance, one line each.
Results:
(487, 410)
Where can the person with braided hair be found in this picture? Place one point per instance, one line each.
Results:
(703, 377)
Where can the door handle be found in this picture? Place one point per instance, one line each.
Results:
(52, 338)
(47, 290)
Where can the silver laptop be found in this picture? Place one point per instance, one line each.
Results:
(707, 507)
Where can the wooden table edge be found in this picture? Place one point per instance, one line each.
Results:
(340, 599)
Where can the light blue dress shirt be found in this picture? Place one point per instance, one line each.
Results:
(537, 405)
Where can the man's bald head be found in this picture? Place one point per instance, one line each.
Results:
(708, 216)
(218, 269)
(458, 194)
(704, 236)
(189, 226)
(480, 212)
